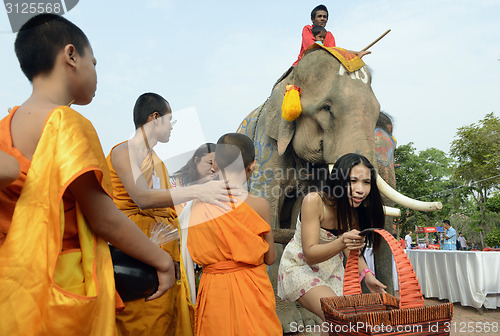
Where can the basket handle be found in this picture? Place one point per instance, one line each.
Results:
(410, 294)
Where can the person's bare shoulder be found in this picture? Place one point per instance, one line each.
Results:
(119, 153)
(119, 149)
(313, 198)
(259, 205)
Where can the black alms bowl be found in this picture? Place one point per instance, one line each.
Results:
(133, 278)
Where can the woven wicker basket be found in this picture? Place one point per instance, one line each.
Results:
(383, 314)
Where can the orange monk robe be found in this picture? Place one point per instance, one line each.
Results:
(10, 194)
(172, 313)
(235, 296)
(45, 291)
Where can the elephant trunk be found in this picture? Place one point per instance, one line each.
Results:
(400, 199)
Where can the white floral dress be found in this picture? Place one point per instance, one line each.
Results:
(296, 277)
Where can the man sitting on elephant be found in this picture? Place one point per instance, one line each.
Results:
(319, 17)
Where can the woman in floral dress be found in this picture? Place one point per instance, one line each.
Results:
(329, 224)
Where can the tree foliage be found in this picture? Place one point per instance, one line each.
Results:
(493, 203)
(476, 150)
(425, 176)
(466, 182)
(492, 239)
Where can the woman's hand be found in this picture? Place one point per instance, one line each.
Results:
(352, 240)
(166, 278)
(373, 284)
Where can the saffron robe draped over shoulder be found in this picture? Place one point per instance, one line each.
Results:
(172, 313)
(10, 194)
(45, 291)
(235, 296)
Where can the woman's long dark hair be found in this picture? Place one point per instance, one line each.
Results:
(189, 173)
(370, 213)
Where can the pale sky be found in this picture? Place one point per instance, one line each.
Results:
(215, 61)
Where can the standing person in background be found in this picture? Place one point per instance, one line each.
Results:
(56, 273)
(461, 240)
(450, 236)
(142, 191)
(319, 17)
(408, 240)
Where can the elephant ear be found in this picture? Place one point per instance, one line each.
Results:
(286, 130)
(276, 127)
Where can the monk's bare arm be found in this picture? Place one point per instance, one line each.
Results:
(262, 208)
(146, 198)
(9, 170)
(113, 226)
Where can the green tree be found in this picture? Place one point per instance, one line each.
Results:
(492, 239)
(493, 203)
(424, 176)
(476, 150)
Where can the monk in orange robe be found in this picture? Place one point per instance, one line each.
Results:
(173, 313)
(233, 246)
(142, 191)
(56, 274)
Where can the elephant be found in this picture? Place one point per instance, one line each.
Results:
(339, 115)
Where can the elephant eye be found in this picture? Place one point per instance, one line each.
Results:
(326, 107)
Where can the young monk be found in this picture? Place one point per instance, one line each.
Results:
(235, 296)
(56, 275)
(9, 169)
(319, 17)
(142, 191)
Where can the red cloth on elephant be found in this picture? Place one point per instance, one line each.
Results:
(308, 40)
(235, 296)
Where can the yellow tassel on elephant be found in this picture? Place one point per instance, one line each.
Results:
(291, 108)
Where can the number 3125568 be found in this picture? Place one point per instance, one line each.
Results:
(33, 8)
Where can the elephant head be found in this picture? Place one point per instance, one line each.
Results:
(339, 116)
(339, 111)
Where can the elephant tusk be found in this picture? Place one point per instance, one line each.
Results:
(390, 211)
(403, 200)
(330, 167)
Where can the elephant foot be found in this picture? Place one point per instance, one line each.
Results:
(288, 315)
(294, 317)
(308, 317)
